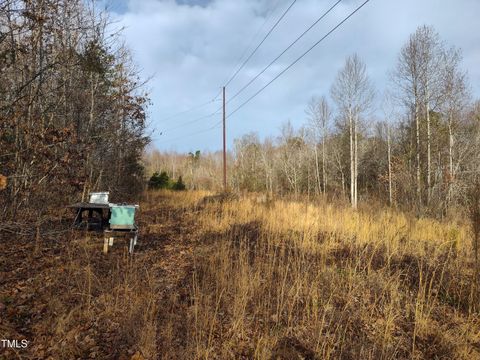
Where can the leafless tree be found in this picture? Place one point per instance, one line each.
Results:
(319, 114)
(424, 151)
(407, 78)
(71, 104)
(431, 63)
(353, 94)
(455, 98)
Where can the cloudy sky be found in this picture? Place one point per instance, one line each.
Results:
(192, 47)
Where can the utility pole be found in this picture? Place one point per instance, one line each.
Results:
(224, 146)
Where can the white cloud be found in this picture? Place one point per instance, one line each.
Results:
(192, 46)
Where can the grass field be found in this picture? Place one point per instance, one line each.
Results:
(246, 278)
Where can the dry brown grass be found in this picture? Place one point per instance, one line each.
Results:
(297, 280)
(71, 301)
(239, 278)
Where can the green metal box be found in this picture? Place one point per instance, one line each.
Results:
(122, 216)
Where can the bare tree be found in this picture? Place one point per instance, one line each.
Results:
(353, 93)
(425, 150)
(391, 115)
(427, 81)
(431, 62)
(319, 115)
(291, 158)
(407, 84)
(71, 105)
(455, 98)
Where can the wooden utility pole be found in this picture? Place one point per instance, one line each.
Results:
(224, 146)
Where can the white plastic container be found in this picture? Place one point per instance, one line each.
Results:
(99, 197)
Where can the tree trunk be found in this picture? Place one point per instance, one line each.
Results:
(417, 125)
(429, 153)
(450, 159)
(324, 174)
(389, 151)
(355, 163)
(317, 170)
(352, 163)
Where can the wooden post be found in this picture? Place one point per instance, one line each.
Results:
(105, 244)
(130, 249)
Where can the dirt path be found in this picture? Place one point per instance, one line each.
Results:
(169, 245)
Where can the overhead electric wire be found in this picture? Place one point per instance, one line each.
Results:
(254, 37)
(199, 106)
(216, 125)
(261, 42)
(233, 76)
(298, 59)
(220, 91)
(284, 51)
(193, 121)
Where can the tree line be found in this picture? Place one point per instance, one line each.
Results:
(420, 153)
(72, 106)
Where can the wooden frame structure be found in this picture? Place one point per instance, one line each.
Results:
(102, 224)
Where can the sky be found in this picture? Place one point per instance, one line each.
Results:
(190, 48)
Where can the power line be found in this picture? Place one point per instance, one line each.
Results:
(199, 106)
(250, 44)
(298, 59)
(193, 121)
(233, 76)
(261, 42)
(220, 92)
(253, 39)
(284, 51)
(215, 126)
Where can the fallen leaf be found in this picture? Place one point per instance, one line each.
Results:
(137, 356)
(3, 182)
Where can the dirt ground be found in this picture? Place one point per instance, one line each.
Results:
(65, 297)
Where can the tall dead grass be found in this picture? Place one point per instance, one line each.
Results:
(255, 278)
(300, 280)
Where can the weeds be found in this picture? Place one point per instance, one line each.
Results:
(238, 278)
(299, 280)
